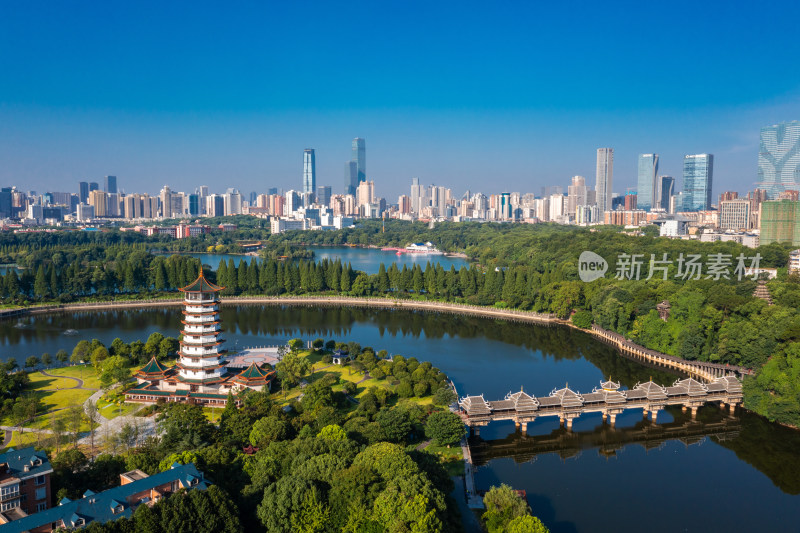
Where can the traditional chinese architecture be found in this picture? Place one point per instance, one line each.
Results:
(201, 374)
(663, 310)
(609, 400)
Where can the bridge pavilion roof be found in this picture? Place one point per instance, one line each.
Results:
(567, 397)
(523, 401)
(688, 386)
(651, 390)
(609, 385)
(606, 394)
(727, 383)
(475, 405)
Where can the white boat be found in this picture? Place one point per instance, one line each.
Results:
(422, 248)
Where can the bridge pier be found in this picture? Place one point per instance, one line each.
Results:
(732, 408)
(694, 412)
(654, 414)
(684, 408)
(612, 419)
(524, 427)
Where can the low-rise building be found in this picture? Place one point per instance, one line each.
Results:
(24, 483)
(136, 488)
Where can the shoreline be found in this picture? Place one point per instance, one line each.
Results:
(698, 369)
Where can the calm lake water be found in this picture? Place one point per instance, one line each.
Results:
(721, 474)
(365, 259)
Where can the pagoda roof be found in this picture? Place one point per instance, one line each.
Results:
(253, 374)
(567, 397)
(201, 284)
(153, 367)
(652, 391)
(475, 405)
(691, 386)
(523, 401)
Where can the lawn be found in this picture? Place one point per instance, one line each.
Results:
(40, 382)
(113, 406)
(84, 372)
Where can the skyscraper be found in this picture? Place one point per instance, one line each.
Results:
(576, 194)
(664, 191)
(779, 158)
(350, 177)
(698, 171)
(84, 191)
(110, 184)
(360, 157)
(646, 192)
(309, 171)
(324, 194)
(605, 176)
(93, 186)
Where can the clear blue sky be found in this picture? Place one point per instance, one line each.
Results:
(488, 96)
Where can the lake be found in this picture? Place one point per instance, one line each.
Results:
(365, 259)
(719, 474)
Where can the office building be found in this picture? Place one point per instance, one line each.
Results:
(98, 200)
(83, 191)
(365, 193)
(215, 205)
(360, 157)
(293, 202)
(233, 202)
(734, 214)
(604, 178)
(505, 206)
(647, 187)
(779, 158)
(350, 177)
(194, 204)
(309, 171)
(576, 194)
(110, 184)
(780, 222)
(665, 186)
(324, 194)
(631, 201)
(84, 212)
(93, 186)
(698, 173)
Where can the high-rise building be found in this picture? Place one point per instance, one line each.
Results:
(780, 222)
(97, 199)
(93, 186)
(272, 191)
(728, 195)
(647, 188)
(324, 194)
(194, 204)
(416, 195)
(665, 186)
(350, 177)
(293, 202)
(734, 214)
(403, 204)
(215, 205)
(576, 194)
(505, 206)
(631, 201)
(110, 184)
(83, 191)
(365, 193)
(360, 157)
(698, 172)
(233, 202)
(779, 158)
(309, 171)
(605, 178)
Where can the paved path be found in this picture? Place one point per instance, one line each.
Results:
(147, 426)
(422, 445)
(78, 386)
(7, 438)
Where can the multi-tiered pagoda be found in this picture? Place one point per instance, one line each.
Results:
(200, 375)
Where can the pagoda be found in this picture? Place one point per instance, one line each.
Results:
(201, 362)
(200, 375)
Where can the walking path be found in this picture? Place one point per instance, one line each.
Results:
(78, 386)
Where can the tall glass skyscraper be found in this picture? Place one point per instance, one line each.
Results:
(350, 177)
(665, 190)
(360, 157)
(779, 158)
(646, 191)
(698, 171)
(605, 176)
(309, 171)
(110, 184)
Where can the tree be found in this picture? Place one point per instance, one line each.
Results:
(582, 319)
(295, 345)
(292, 368)
(444, 396)
(526, 524)
(502, 506)
(318, 344)
(92, 414)
(99, 354)
(62, 356)
(31, 362)
(183, 427)
(268, 429)
(395, 423)
(47, 359)
(332, 432)
(80, 353)
(445, 428)
(41, 289)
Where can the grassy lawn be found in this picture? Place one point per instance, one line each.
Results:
(84, 372)
(39, 381)
(212, 414)
(29, 438)
(110, 407)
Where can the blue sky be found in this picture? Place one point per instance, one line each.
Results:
(511, 96)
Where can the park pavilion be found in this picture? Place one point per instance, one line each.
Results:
(201, 374)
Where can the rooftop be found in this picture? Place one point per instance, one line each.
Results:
(23, 463)
(201, 284)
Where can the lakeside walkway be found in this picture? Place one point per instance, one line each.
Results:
(703, 370)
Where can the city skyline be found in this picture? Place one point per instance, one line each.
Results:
(436, 104)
